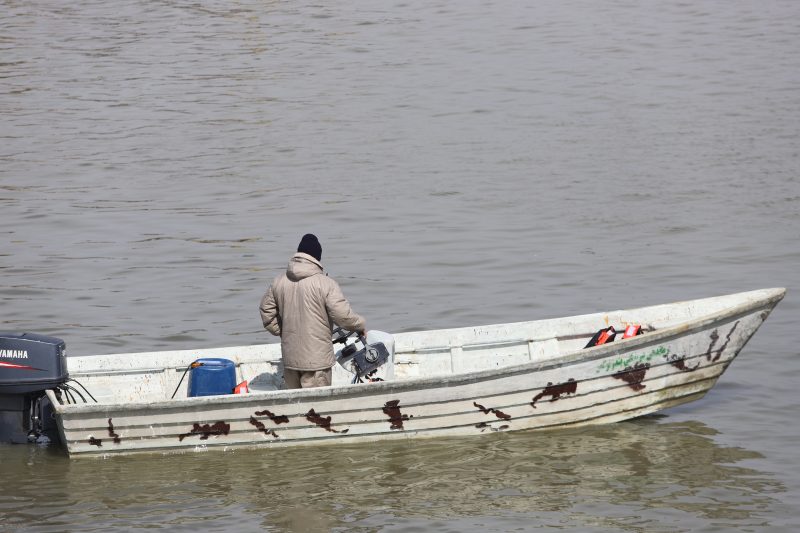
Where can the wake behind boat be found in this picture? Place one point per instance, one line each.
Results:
(463, 381)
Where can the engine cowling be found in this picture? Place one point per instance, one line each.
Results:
(29, 365)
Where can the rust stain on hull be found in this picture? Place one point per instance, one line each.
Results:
(680, 363)
(278, 419)
(206, 430)
(396, 418)
(483, 425)
(555, 391)
(323, 422)
(714, 339)
(727, 340)
(486, 410)
(112, 434)
(634, 376)
(261, 427)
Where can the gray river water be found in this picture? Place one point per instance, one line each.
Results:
(462, 163)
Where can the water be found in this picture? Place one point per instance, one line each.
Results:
(462, 163)
(639, 475)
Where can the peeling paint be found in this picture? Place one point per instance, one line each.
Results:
(111, 433)
(499, 414)
(323, 422)
(278, 419)
(634, 376)
(206, 430)
(555, 391)
(392, 410)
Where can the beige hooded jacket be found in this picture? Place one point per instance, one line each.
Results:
(299, 307)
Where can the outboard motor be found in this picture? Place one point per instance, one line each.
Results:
(29, 365)
(377, 349)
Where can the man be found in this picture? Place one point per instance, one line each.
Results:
(299, 307)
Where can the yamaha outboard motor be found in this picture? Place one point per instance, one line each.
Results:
(29, 365)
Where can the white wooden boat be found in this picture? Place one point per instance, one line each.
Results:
(464, 381)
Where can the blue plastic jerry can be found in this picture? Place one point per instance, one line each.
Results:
(212, 376)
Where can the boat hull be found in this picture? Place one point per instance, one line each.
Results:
(621, 380)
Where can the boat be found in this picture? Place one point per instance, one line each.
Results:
(469, 381)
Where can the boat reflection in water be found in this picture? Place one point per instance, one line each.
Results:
(640, 474)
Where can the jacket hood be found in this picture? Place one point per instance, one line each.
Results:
(302, 266)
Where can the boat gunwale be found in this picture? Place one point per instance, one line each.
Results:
(772, 296)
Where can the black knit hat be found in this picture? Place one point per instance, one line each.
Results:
(311, 246)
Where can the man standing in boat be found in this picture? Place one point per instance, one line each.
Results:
(299, 307)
